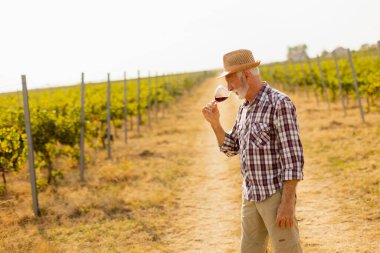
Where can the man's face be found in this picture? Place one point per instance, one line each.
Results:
(233, 81)
(237, 85)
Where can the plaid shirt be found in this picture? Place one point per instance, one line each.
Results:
(266, 136)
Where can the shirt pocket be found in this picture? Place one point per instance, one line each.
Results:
(260, 134)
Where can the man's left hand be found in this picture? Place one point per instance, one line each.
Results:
(285, 215)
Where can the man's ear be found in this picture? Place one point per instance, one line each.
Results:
(246, 73)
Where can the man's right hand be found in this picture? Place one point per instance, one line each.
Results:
(211, 113)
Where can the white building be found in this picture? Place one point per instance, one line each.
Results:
(297, 53)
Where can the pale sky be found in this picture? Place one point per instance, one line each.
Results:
(52, 42)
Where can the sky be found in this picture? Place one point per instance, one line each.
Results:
(52, 42)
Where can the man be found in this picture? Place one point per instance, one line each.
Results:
(266, 136)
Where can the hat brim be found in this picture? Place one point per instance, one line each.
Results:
(239, 68)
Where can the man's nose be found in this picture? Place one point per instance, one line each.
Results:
(229, 87)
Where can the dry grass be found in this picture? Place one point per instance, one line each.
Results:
(122, 207)
(340, 197)
(346, 151)
(130, 204)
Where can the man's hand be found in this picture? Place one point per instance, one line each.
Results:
(211, 113)
(285, 215)
(286, 210)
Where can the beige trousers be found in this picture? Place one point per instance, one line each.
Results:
(258, 220)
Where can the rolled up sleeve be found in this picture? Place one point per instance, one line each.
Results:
(230, 146)
(290, 146)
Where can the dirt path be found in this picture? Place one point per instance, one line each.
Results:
(208, 218)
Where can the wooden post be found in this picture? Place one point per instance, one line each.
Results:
(163, 91)
(168, 87)
(109, 116)
(313, 80)
(29, 138)
(289, 77)
(81, 144)
(284, 79)
(149, 101)
(138, 103)
(131, 119)
(295, 77)
(305, 77)
(174, 84)
(323, 83)
(179, 86)
(356, 85)
(125, 109)
(189, 86)
(156, 100)
(339, 83)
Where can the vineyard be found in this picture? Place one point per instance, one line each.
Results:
(330, 79)
(165, 177)
(56, 113)
(56, 119)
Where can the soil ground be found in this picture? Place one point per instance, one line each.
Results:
(171, 190)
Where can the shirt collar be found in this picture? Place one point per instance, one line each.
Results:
(260, 96)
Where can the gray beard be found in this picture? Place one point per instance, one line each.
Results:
(242, 91)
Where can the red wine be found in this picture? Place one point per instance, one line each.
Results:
(220, 99)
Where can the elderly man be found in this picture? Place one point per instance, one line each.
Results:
(266, 136)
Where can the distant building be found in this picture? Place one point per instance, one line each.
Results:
(365, 46)
(326, 54)
(375, 46)
(340, 51)
(297, 53)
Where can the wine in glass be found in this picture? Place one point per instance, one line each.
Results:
(221, 93)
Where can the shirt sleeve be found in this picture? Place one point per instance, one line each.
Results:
(230, 146)
(287, 130)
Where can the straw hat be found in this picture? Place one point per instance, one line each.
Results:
(237, 61)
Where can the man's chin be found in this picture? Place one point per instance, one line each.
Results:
(239, 96)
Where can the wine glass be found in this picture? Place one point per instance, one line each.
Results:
(221, 93)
